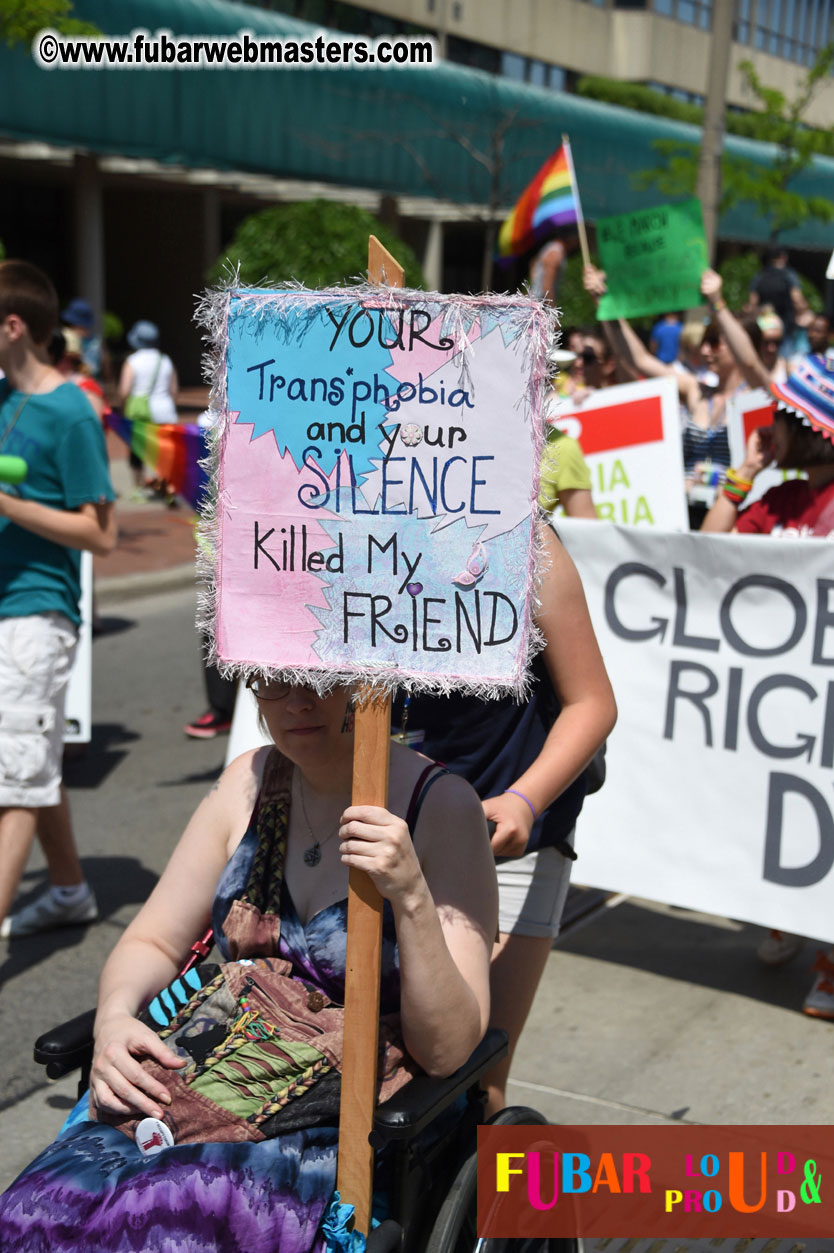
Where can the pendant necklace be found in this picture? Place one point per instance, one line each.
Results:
(312, 854)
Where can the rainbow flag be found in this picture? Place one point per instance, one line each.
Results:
(551, 201)
(173, 451)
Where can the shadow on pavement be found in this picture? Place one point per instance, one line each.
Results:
(110, 624)
(695, 949)
(204, 776)
(116, 881)
(88, 765)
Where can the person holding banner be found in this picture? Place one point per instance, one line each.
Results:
(526, 763)
(63, 505)
(267, 856)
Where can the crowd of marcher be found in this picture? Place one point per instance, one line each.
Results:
(282, 816)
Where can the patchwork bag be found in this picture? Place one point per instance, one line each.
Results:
(263, 1048)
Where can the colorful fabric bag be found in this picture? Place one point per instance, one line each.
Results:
(263, 1048)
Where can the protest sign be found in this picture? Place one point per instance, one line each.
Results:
(745, 412)
(720, 650)
(378, 457)
(630, 436)
(653, 260)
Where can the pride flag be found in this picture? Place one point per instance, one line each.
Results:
(551, 201)
(173, 451)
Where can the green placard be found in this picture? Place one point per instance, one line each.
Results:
(653, 260)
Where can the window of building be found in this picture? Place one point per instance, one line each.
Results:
(741, 28)
(692, 12)
(513, 66)
(795, 30)
(476, 56)
(538, 73)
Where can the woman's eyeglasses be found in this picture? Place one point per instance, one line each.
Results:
(268, 689)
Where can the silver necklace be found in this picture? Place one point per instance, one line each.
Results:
(312, 854)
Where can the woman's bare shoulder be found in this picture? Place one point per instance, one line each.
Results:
(448, 802)
(236, 791)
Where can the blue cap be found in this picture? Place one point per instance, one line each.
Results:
(79, 313)
(143, 335)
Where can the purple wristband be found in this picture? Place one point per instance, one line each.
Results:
(515, 792)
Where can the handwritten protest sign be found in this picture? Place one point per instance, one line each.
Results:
(378, 456)
(653, 260)
(718, 789)
(745, 413)
(630, 436)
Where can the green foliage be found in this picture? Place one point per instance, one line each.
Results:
(746, 182)
(577, 307)
(636, 96)
(318, 242)
(749, 124)
(2, 250)
(20, 20)
(112, 327)
(737, 273)
(812, 294)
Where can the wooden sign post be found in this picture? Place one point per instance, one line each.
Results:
(364, 928)
(378, 460)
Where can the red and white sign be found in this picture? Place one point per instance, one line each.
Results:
(745, 413)
(631, 439)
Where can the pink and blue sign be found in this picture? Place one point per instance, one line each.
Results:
(376, 475)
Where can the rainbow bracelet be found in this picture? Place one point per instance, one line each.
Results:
(736, 488)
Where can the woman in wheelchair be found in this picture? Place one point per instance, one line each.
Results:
(212, 1118)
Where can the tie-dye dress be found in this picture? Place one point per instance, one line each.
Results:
(92, 1188)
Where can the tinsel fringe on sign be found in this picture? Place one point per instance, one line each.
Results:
(525, 317)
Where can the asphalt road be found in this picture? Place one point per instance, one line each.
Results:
(131, 793)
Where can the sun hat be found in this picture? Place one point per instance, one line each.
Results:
(72, 343)
(143, 335)
(79, 313)
(808, 393)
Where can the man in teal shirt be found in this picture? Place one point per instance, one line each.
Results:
(64, 505)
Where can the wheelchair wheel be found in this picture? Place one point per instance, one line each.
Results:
(455, 1228)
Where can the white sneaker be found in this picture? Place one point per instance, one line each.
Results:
(819, 1002)
(779, 947)
(46, 913)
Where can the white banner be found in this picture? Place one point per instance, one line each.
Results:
(78, 703)
(631, 438)
(719, 792)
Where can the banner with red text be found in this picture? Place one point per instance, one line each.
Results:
(630, 436)
(718, 795)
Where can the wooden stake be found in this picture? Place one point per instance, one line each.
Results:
(580, 220)
(371, 753)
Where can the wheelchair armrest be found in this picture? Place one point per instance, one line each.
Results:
(66, 1047)
(420, 1101)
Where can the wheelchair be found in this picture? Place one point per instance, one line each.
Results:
(430, 1214)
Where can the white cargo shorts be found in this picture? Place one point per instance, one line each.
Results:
(532, 891)
(36, 656)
